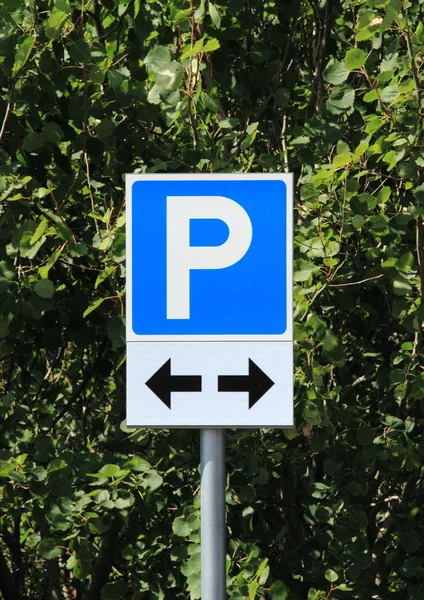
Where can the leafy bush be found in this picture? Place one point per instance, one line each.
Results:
(331, 90)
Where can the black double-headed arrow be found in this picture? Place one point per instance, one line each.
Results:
(162, 383)
(256, 383)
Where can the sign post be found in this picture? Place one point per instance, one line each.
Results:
(212, 514)
(209, 319)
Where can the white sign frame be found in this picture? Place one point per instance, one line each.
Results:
(287, 178)
(211, 357)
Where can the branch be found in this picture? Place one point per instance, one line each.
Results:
(54, 591)
(8, 109)
(90, 191)
(208, 78)
(101, 34)
(98, 25)
(315, 296)
(209, 84)
(356, 282)
(85, 134)
(420, 225)
(414, 74)
(261, 109)
(8, 587)
(284, 144)
(319, 59)
(12, 542)
(192, 83)
(420, 251)
(103, 564)
(383, 104)
(81, 387)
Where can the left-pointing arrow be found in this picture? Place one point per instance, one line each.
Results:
(162, 383)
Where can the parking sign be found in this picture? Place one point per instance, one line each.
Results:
(209, 288)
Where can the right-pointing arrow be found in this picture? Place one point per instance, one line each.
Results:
(257, 383)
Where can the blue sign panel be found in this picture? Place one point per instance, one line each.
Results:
(209, 257)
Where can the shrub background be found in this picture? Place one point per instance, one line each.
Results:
(330, 90)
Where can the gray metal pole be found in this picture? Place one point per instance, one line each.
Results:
(212, 514)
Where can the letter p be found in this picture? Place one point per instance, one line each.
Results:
(182, 258)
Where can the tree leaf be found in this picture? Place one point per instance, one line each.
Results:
(105, 129)
(331, 575)
(105, 274)
(358, 221)
(57, 19)
(303, 270)
(262, 573)
(52, 132)
(211, 45)
(355, 59)
(33, 141)
(5, 468)
(214, 15)
(93, 306)
(48, 549)
(180, 527)
(181, 16)
(199, 13)
(44, 270)
(195, 49)
(100, 496)
(341, 160)
(390, 93)
(116, 331)
(157, 58)
(410, 541)
(79, 51)
(109, 470)
(152, 480)
(365, 436)
(62, 228)
(23, 53)
(384, 195)
(371, 96)
(336, 73)
(169, 77)
(115, 590)
(342, 97)
(44, 288)
(278, 591)
(330, 341)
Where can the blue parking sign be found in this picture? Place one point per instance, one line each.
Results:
(209, 257)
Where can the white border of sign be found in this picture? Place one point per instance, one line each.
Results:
(210, 407)
(287, 178)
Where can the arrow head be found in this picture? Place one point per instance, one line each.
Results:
(160, 383)
(259, 383)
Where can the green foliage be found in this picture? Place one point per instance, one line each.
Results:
(329, 90)
(355, 58)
